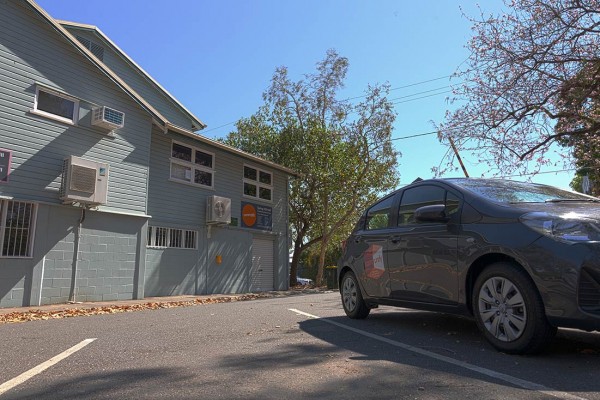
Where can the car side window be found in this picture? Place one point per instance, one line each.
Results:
(418, 197)
(378, 216)
(452, 204)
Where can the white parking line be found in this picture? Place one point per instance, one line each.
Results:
(6, 386)
(484, 371)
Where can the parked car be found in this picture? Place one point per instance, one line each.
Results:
(303, 281)
(521, 258)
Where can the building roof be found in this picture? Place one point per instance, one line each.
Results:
(157, 117)
(197, 123)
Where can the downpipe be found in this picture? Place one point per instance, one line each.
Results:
(76, 257)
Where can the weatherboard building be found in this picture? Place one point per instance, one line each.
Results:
(106, 190)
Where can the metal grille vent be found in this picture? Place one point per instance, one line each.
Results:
(113, 116)
(83, 179)
(95, 48)
(589, 291)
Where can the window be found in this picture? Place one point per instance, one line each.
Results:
(55, 105)
(159, 237)
(192, 165)
(258, 183)
(17, 223)
(418, 197)
(378, 216)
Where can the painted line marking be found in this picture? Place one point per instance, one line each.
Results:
(6, 386)
(484, 371)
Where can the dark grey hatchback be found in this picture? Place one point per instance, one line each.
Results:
(521, 258)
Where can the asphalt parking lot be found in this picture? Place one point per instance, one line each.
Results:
(297, 346)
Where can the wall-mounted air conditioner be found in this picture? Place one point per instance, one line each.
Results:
(218, 210)
(84, 181)
(108, 118)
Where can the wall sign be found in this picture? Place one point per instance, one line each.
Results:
(256, 216)
(5, 159)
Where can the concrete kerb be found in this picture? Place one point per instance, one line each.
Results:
(184, 300)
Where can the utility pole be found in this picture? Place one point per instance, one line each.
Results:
(458, 156)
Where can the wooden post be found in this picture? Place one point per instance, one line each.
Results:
(458, 156)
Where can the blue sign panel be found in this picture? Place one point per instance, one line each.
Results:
(257, 216)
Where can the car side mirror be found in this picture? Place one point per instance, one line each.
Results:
(433, 213)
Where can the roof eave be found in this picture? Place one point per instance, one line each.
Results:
(230, 149)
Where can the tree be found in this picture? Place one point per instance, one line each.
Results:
(341, 151)
(530, 80)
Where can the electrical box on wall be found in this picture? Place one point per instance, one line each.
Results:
(84, 181)
(218, 210)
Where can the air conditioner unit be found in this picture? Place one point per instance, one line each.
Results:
(84, 181)
(108, 118)
(218, 210)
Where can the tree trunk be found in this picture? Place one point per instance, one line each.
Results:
(321, 265)
(294, 263)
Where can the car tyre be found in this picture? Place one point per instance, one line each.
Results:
(509, 311)
(352, 300)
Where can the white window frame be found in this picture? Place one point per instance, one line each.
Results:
(192, 165)
(258, 183)
(30, 234)
(56, 117)
(152, 236)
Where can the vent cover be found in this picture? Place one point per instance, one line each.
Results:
(95, 48)
(588, 294)
(83, 179)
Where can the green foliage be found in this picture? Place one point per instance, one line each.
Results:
(341, 151)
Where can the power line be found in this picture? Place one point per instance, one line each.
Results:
(405, 86)
(392, 89)
(418, 93)
(422, 97)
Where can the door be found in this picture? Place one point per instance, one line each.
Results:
(262, 272)
(369, 246)
(422, 256)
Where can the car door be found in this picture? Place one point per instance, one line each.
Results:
(422, 256)
(369, 247)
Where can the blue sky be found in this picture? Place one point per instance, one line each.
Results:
(217, 57)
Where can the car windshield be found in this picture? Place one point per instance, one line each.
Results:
(503, 191)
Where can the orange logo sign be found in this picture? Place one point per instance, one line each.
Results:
(249, 215)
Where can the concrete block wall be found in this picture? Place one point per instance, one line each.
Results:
(106, 264)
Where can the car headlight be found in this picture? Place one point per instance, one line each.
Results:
(570, 228)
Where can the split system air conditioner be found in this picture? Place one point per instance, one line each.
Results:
(84, 181)
(108, 118)
(218, 210)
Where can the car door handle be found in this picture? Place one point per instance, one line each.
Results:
(357, 239)
(395, 239)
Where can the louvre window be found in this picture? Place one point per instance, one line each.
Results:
(95, 48)
(162, 238)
